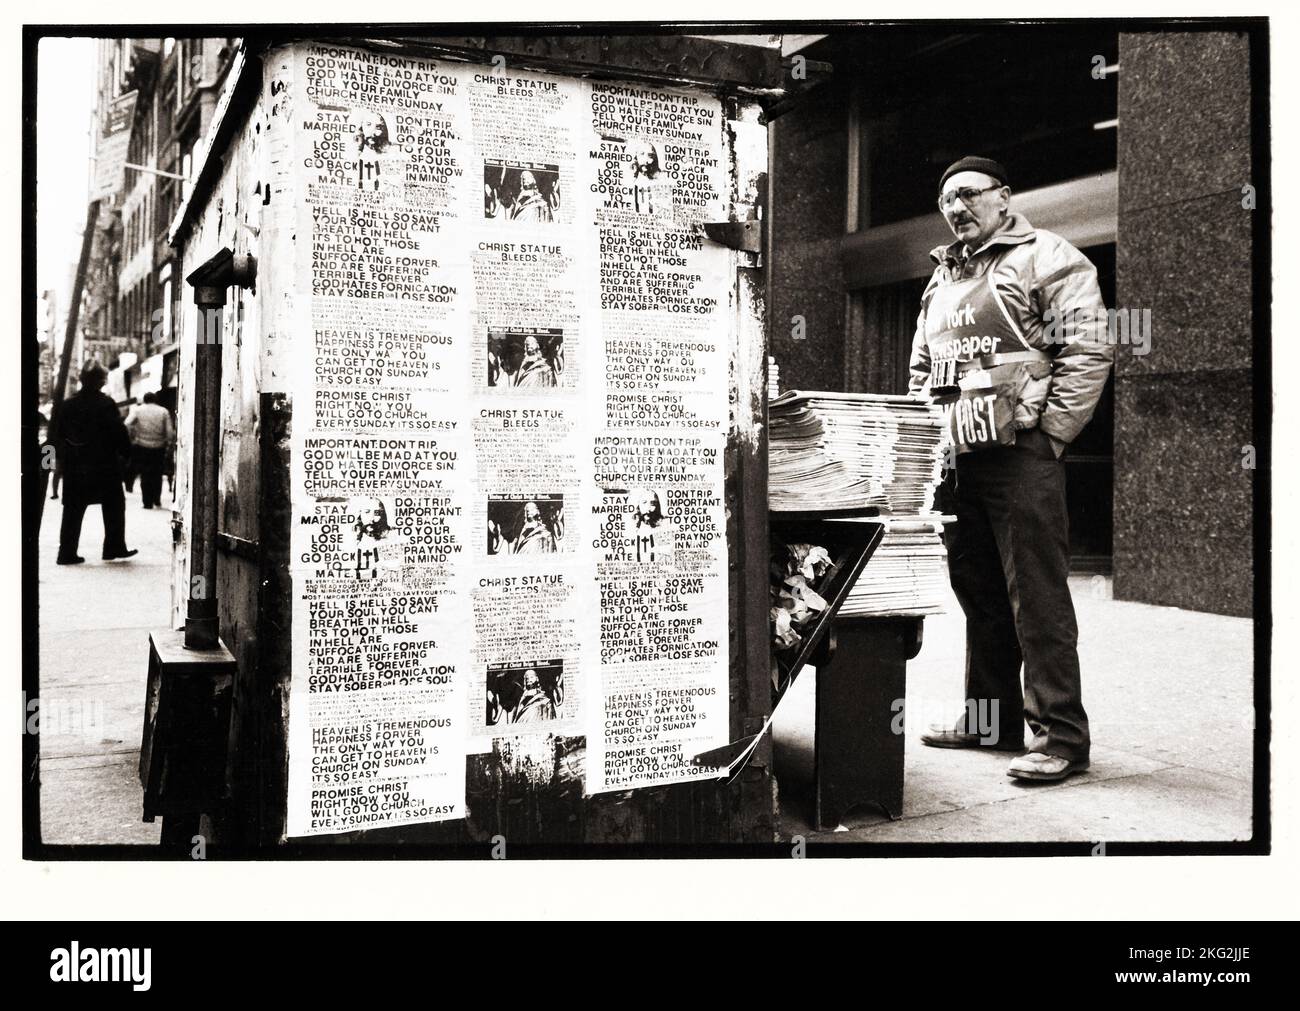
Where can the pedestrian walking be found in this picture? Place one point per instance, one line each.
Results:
(91, 441)
(151, 430)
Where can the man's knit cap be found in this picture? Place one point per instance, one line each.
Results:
(973, 163)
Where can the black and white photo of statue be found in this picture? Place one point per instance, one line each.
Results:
(525, 526)
(525, 694)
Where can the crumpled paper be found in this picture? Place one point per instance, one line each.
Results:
(796, 603)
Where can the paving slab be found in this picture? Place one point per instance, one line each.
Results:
(94, 622)
(94, 805)
(1186, 805)
(1170, 700)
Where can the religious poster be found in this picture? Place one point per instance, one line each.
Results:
(510, 370)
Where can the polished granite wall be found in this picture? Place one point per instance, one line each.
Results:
(1183, 412)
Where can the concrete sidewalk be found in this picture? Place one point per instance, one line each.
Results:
(95, 621)
(1169, 699)
(1169, 694)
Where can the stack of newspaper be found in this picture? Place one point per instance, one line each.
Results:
(847, 450)
(907, 574)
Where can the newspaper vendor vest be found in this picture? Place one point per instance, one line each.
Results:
(978, 362)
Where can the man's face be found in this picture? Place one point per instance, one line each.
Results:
(648, 507)
(369, 516)
(975, 223)
(645, 158)
(531, 680)
(373, 130)
(531, 348)
(532, 514)
(527, 182)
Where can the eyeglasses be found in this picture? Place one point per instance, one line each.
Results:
(966, 194)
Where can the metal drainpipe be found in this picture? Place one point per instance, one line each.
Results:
(210, 282)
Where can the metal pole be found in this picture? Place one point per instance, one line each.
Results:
(156, 172)
(201, 623)
(69, 339)
(210, 282)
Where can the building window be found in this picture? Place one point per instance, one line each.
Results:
(188, 144)
(168, 190)
(930, 98)
(165, 330)
(168, 101)
(187, 166)
(189, 69)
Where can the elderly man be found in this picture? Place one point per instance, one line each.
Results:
(1011, 335)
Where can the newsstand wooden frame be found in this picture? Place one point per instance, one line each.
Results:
(530, 797)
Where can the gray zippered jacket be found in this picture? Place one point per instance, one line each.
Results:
(1051, 290)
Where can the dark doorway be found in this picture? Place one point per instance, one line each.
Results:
(1089, 462)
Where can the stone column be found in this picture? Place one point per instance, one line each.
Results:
(1183, 411)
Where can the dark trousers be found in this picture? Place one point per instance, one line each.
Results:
(74, 511)
(1009, 560)
(149, 464)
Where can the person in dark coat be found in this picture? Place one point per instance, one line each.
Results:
(93, 445)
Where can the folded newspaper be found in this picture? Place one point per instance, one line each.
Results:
(831, 451)
(835, 451)
(907, 573)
